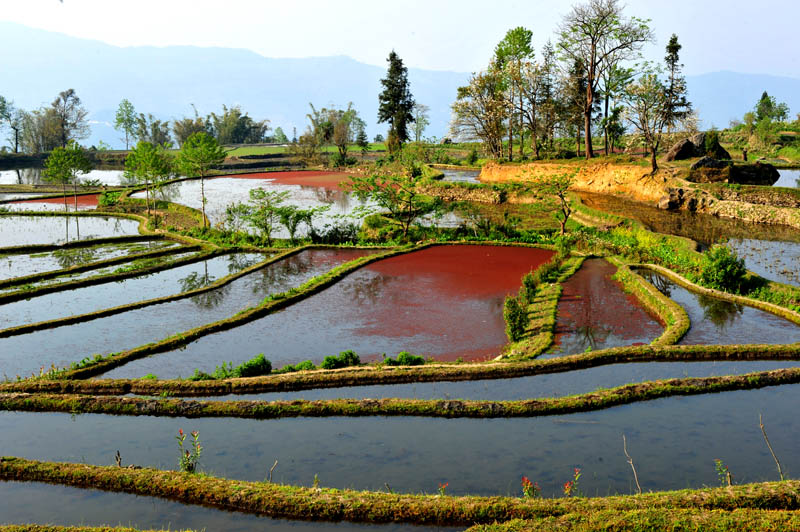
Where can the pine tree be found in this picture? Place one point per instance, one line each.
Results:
(396, 102)
(677, 106)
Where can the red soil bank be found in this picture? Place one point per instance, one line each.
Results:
(320, 179)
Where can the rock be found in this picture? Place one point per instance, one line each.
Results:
(672, 201)
(754, 174)
(682, 150)
(709, 162)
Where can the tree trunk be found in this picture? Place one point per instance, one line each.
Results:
(203, 201)
(653, 162)
(522, 131)
(75, 191)
(605, 121)
(587, 126)
(64, 192)
(511, 129)
(578, 141)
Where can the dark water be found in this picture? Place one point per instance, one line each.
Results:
(33, 176)
(37, 503)
(32, 230)
(108, 295)
(445, 302)
(21, 355)
(788, 179)
(549, 385)
(595, 313)
(674, 442)
(719, 322)
(777, 261)
(463, 176)
(703, 228)
(19, 265)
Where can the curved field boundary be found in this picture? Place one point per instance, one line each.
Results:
(543, 312)
(270, 304)
(80, 318)
(18, 295)
(599, 400)
(668, 311)
(44, 276)
(43, 248)
(778, 310)
(328, 504)
(386, 375)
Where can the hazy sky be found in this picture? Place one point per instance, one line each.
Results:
(459, 35)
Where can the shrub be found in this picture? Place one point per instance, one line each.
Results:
(345, 359)
(108, 199)
(404, 358)
(254, 367)
(722, 269)
(547, 272)
(515, 315)
(472, 158)
(529, 285)
(306, 365)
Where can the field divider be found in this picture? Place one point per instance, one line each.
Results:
(80, 268)
(668, 311)
(330, 504)
(18, 295)
(80, 318)
(442, 408)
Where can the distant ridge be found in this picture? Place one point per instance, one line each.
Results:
(166, 81)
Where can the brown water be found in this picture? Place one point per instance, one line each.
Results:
(594, 313)
(444, 302)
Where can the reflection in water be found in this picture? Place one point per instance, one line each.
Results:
(71, 257)
(715, 321)
(788, 179)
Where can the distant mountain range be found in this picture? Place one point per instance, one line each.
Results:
(166, 81)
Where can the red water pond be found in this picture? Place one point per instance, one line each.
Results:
(319, 179)
(86, 200)
(595, 312)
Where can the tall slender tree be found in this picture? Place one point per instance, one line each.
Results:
(198, 155)
(396, 102)
(125, 121)
(70, 117)
(677, 107)
(509, 55)
(65, 166)
(595, 33)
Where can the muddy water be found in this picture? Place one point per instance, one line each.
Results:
(67, 506)
(700, 227)
(673, 441)
(462, 176)
(445, 302)
(552, 385)
(21, 265)
(223, 191)
(595, 313)
(33, 176)
(719, 322)
(32, 230)
(777, 261)
(22, 355)
(150, 286)
(788, 179)
(84, 203)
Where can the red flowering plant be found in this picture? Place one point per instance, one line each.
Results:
(530, 489)
(443, 488)
(189, 457)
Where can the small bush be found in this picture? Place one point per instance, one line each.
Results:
(722, 269)
(108, 199)
(404, 358)
(345, 359)
(529, 285)
(254, 367)
(306, 365)
(515, 315)
(472, 158)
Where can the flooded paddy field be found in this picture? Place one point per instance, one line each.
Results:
(22, 355)
(461, 176)
(788, 178)
(674, 442)
(34, 176)
(719, 322)
(68, 506)
(522, 388)
(595, 313)
(18, 265)
(84, 202)
(445, 302)
(34, 230)
(147, 286)
(773, 260)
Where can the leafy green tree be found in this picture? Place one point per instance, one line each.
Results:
(291, 216)
(509, 55)
(480, 111)
(613, 82)
(198, 155)
(265, 211)
(397, 194)
(280, 137)
(396, 102)
(555, 191)
(677, 106)
(597, 35)
(421, 120)
(187, 126)
(125, 121)
(65, 166)
(647, 103)
(768, 107)
(152, 130)
(150, 165)
(362, 141)
(235, 127)
(14, 119)
(69, 116)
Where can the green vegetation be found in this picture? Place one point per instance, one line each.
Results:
(254, 367)
(344, 360)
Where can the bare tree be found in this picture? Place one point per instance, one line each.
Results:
(70, 117)
(597, 35)
(422, 119)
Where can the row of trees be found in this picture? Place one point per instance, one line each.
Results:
(48, 127)
(579, 85)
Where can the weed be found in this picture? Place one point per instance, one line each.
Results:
(189, 458)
